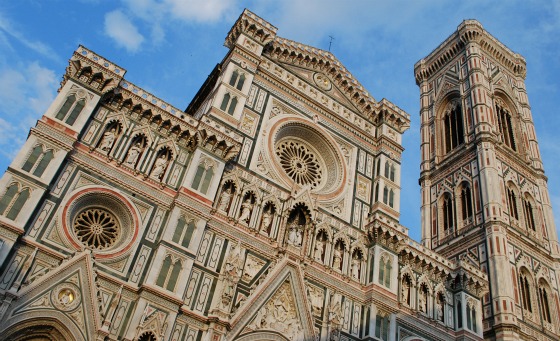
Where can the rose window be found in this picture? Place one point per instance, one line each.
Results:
(96, 228)
(299, 163)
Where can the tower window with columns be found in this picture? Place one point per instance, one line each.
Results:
(453, 126)
(505, 125)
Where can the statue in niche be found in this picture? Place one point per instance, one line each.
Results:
(266, 220)
(439, 311)
(225, 199)
(355, 268)
(107, 141)
(133, 154)
(295, 228)
(246, 209)
(337, 258)
(422, 301)
(319, 250)
(405, 292)
(159, 166)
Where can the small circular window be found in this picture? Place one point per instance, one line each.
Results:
(96, 228)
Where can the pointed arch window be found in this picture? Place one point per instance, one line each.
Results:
(169, 273)
(390, 171)
(466, 203)
(229, 103)
(459, 315)
(70, 110)
(37, 161)
(13, 200)
(184, 232)
(512, 201)
(447, 208)
(543, 300)
(528, 212)
(203, 177)
(385, 268)
(388, 196)
(471, 317)
(525, 290)
(453, 126)
(237, 80)
(382, 326)
(505, 125)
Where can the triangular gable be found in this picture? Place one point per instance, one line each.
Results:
(278, 306)
(334, 91)
(66, 294)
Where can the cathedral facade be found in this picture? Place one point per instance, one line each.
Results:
(268, 209)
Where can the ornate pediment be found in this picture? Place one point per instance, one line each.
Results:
(279, 306)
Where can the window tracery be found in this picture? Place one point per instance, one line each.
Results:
(71, 109)
(299, 163)
(528, 213)
(237, 80)
(382, 324)
(505, 124)
(466, 204)
(385, 268)
(525, 289)
(203, 176)
(184, 231)
(544, 295)
(13, 200)
(169, 273)
(453, 126)
(447, 214)
(229, 102)
(38, 161)
(96, 228)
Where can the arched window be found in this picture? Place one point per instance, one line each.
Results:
(37, 161)
(229, 103)
(385, 195)
(203, 177)
(385, 267)
(237, 80)
(543, 300)
(184, 232)
(390, 171)
(471, 317)
(466, 203)
(169, 273)
(447, 210)
(525, 290)
(459, 315)
(528, 212)
(453, 126)
(505, 124)
(13, 201)
(512, 202)
(70, 106)
(382, 326)
(391, 197)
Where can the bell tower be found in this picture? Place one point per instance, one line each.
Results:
(484, 192)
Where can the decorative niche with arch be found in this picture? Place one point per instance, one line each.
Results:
(111, 134)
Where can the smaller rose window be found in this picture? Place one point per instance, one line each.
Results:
(299, 163)
(96, 228)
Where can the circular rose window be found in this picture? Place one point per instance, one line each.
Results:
(96, 228)
(100, 219)
(300, 163)
(301, 153)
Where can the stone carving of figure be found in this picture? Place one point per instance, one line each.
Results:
(335, 310)
(159, 166)
(266, 221)
(246, 208)
(404, 292)
(337, 261)
(133, 154)
(225, 200)
(422, 301)
(295, 236)
(355, 269)
(439, 311)
(108, 139)
(319, 248)
(230, 274)
(316, 299)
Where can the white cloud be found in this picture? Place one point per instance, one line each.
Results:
(119, 27)
(37, 46)
(199, 10)
(25, 94)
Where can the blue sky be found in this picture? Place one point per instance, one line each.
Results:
(169, 47)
